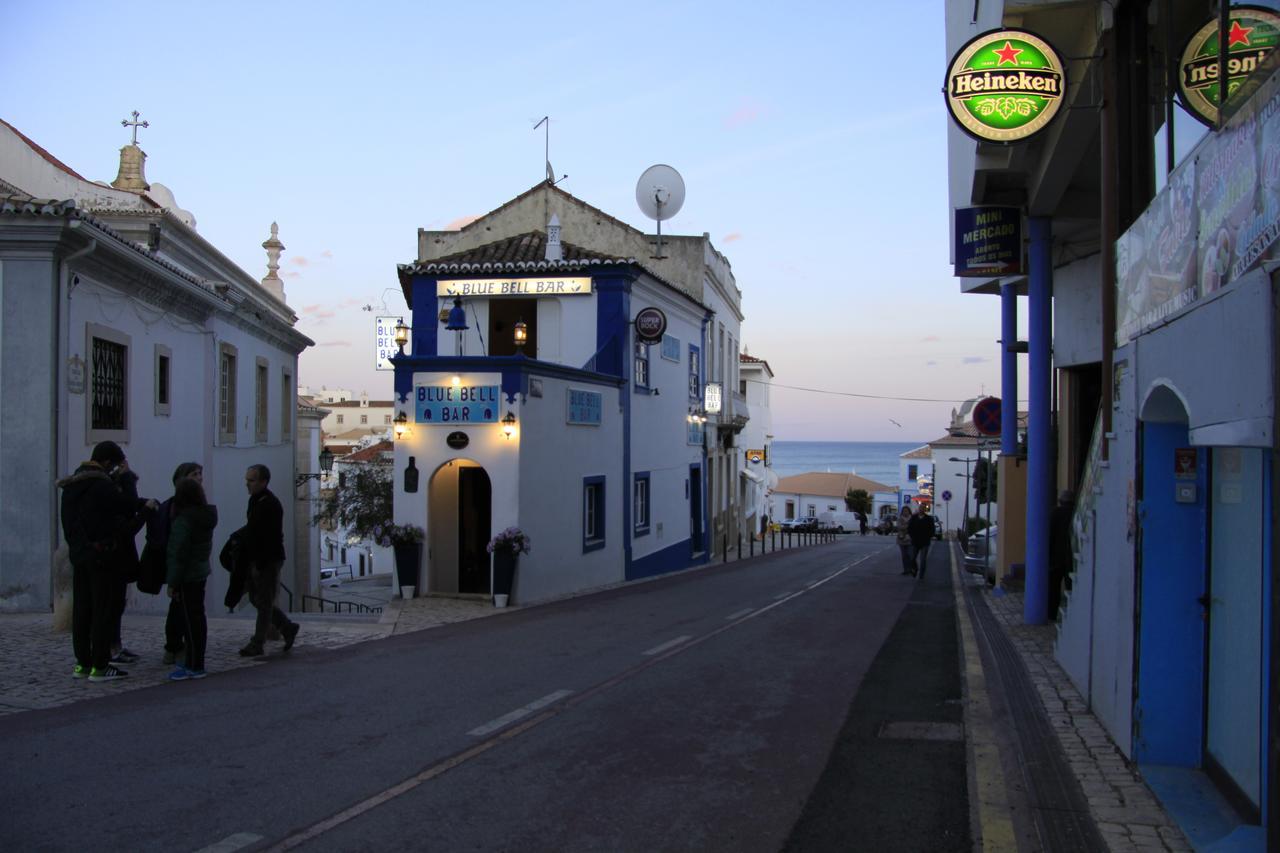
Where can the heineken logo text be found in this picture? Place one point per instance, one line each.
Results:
(970, 82)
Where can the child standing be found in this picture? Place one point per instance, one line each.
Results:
(190, 543)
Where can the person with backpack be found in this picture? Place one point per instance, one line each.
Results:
(99, 503)
(155, 568)
(189, 546)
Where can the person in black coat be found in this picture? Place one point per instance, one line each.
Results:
(154, 567)
(263, 551)
(920, 532)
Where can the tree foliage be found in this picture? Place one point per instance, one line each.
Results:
(858, 500)
(361, 502)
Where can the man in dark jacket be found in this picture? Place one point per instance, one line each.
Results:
(264, 552)
(920, 532)
(99, 502)
(154, 561)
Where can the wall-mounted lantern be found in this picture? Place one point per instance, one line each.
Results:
(402, 335)
(521, 335)
(401, 425)
(508, 425)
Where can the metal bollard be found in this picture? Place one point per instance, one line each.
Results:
(752, 548)
(739, 546)
(724, 547)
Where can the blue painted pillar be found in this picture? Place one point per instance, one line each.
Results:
(1008, 370)
(1035, 604)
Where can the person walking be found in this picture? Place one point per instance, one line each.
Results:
(264, 552)
(904, 541)
(155, 568)
(920, 532)
(99, 503)
(187, 556)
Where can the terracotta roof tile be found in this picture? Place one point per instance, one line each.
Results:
(828, 485)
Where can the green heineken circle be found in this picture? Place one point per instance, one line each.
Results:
(1254, 32)
(1005, 85)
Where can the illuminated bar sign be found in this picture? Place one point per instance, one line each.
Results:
(385, 333)
(1005, 85)
(1253, 33)
(713, 398)
(561, 286)
(988, 241)
(456, 404)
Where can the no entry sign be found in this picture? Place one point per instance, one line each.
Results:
(986, 416)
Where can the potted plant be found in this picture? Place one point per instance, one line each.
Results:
(406, 541)
(505, 548)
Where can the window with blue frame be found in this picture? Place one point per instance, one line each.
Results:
(641, 365)
(640, 503)
(592, 513)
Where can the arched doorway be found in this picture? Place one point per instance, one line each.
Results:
(459, 511)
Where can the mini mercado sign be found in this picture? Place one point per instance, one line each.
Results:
(1253, 34)
(988, 241)
(583, 407)
(651, 323)
(1005, 85)
(385, 341)
(460, 404)
(560, 286)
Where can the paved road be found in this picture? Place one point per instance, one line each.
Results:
(697, 712)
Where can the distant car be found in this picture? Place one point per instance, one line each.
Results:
(887, 525)
(329, 577)
(800, 525)
(937, 527)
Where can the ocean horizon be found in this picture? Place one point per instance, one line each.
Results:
(874, 460)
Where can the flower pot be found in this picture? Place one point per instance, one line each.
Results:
(499, 600)
(504, 572)
(407, 559)
(407, 591)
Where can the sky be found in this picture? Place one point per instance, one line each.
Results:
(811, 139)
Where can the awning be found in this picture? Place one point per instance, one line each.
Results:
(752, 475)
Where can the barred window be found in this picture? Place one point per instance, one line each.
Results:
(260, 402)
(227, 393)
(110, 384)
(287, 403)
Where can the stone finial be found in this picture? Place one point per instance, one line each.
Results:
(274, 247)
(130, 176)
(554, 252)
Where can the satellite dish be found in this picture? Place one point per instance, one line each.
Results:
(660, 194)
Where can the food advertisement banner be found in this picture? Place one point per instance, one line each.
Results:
(1217, 218)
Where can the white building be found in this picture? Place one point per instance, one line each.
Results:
(755, 443)
(325, 395)
(352, 555)
(133, 328)
(360, 414)
(591, 441)
(821, 495)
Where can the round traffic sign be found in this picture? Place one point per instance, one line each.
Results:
(986, 416)
(946, 495)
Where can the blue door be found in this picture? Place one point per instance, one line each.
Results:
(1168, 713)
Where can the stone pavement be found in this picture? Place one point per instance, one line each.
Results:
(1127, 814)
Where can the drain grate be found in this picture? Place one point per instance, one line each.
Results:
(912, 730)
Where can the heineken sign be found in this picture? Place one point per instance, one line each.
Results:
(1252, 35)
(1005, 85)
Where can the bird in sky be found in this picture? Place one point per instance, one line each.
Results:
(895, 423)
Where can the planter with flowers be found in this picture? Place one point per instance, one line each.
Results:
(406, 541)
(506, 547)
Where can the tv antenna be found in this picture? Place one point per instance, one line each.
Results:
(660, 194)
(546, 150)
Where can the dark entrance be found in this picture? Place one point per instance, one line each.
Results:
(503, 314)
(695, 508)
(474, 493)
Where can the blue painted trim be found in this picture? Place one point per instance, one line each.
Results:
(426, 317)
(613, 320)
(601, 517)
(673, 558)
(1035, 603)
(648, 493)
(1008, 370)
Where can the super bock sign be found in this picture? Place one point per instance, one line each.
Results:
(1005, 85)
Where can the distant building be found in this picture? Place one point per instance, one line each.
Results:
(356, 556)
(817, 494)
(755, 443)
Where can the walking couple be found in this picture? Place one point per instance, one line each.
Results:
(915, 535)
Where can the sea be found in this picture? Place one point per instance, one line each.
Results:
(875, 460)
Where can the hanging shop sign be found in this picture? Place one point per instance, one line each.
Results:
(988, 241)
(1005, 85)
(561, 286)
(651, 323)
(1253, 33)
(456, 404)
(755, 455)
(713, 400)
(384, 336)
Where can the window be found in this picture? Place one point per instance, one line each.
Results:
(912, 470)
(642, 365)
(109, 384)
(163, 374)
(592, 513)
(227, 393)
(640, 503)
(364, 420)
(340, 419)
(260, 401)
(386, 419)
(287, 404)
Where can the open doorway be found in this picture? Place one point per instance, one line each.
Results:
(503, 315)
(460, 512)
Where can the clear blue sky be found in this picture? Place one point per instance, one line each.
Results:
(811, 138)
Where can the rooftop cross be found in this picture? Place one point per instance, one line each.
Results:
(135, 124)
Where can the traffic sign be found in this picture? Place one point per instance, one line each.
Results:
(946, 496)
(986, 416)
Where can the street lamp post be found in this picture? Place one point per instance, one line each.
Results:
(966, 475)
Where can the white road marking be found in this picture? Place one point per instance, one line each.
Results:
(231, 843)
(739, 614)
(519, 713)
(669, 644)
(781, 596)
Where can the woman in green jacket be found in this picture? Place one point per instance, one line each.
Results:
(190, 543)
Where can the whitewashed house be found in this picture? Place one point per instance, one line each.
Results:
(821, 495)
(755, 444)
(121, 322)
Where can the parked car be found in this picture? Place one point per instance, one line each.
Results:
(937, 527)
(799, 525)
(982, 544)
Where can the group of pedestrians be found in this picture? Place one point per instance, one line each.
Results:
(915, 535)
(101, 516)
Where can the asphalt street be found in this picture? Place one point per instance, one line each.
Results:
(717, 709)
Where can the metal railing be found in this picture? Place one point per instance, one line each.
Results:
(338, 606)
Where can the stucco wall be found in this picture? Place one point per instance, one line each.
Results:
(1077, 312)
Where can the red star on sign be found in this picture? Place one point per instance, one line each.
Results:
(1238, 35)
(1008, 54)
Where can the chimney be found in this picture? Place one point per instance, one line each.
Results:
(553, 239)
(274, 247)
(130, 177)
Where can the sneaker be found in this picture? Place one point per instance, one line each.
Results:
(107, 673)
(253, 650)
(290, 633)
(194, 674)
(179, 674)
(124, 656)
(81, 671)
